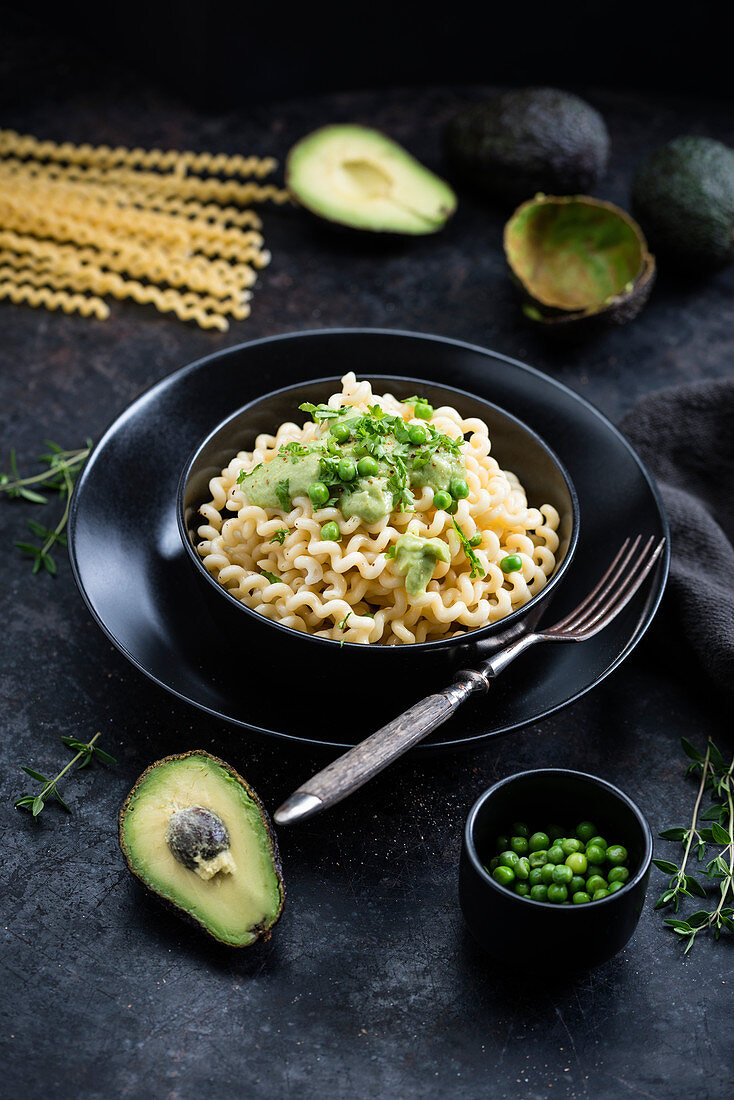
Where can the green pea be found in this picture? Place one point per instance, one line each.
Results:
(614, 886)
(535, 877)
(595, 882)
(423, 410)
(562, 873)
(557, 892)
(459, 488)
(585, 831)
(581, 897)
(330, 532)
(442, 500)
(318, 492)
(556, 854)
(537, 859)
(595, 854)
(578, 882)
(367, 466)
(616, 854)
(555, 832)
(475, 540)
(598, 841)
(511, 563)
(546, 872)
(340, 432)
(492, 864)
(417, 434)
(522, 889)
(618, 874)
(577, 862)
(539, 842)
(571, 845)
(539, 893)
(599, 894)
(522, 868)
(519, 844)
(509, 859)
(347, 469)
(503, 875)
(453, 508)
(503, 843)
(519, 828)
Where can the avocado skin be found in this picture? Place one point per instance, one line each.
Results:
(528, 140)
(262, 933)
(576, 326)
(683, 196)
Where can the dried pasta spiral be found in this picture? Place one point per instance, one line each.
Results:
(350, 590)
(161, 227)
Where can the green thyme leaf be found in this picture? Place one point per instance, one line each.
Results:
(85, 752)
(272, 577)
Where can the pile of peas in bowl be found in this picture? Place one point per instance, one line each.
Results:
(556, 867)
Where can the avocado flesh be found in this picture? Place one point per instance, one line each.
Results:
(683, 196)
(243, 896)
(358, 177)
(577, 256)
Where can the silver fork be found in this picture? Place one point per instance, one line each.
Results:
(354, 768)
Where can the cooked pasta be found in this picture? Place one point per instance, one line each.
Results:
(434, 565)
(81, 222)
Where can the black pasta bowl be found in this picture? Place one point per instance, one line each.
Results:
(515, 446)
(536, 935)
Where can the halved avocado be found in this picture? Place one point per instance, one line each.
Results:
(197, 835)
(359, 177)
(578, 259)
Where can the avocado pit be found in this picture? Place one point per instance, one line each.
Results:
(198, 839)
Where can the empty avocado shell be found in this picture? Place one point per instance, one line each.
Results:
(579, 261)
(196, 835)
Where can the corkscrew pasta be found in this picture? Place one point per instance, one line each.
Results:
(79, 223)
(316, 568)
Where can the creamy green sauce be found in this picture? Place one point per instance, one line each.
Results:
(415, 559)
(402, 466)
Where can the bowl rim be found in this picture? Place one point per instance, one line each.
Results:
(592, 780)
(480, 633)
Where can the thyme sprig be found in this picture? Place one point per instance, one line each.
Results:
(718, 779)
(85, 752)
(62, 469)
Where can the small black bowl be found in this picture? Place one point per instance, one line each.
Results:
(534, 934)
(516, 447)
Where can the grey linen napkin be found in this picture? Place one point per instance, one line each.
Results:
(685, 436)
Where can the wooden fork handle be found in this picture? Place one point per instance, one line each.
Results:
(357, 766)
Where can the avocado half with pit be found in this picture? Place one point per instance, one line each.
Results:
(578, 259)
(194, 833)
(360, 178)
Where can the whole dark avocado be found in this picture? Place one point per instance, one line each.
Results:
(683, 196)
(529, 140)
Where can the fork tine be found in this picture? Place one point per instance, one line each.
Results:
(618, 600)
(596, 591)
(616, 585)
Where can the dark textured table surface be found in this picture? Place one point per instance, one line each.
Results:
(370, 984)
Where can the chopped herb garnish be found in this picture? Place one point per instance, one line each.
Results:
(323, 412)
(392, 551)
(295, 450)
(411, 400)
(282, 492)
(345, 620)
(272, 577)
(243, 475)
(280, 535)
(477, 569)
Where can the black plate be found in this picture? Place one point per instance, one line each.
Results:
(130, 566)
